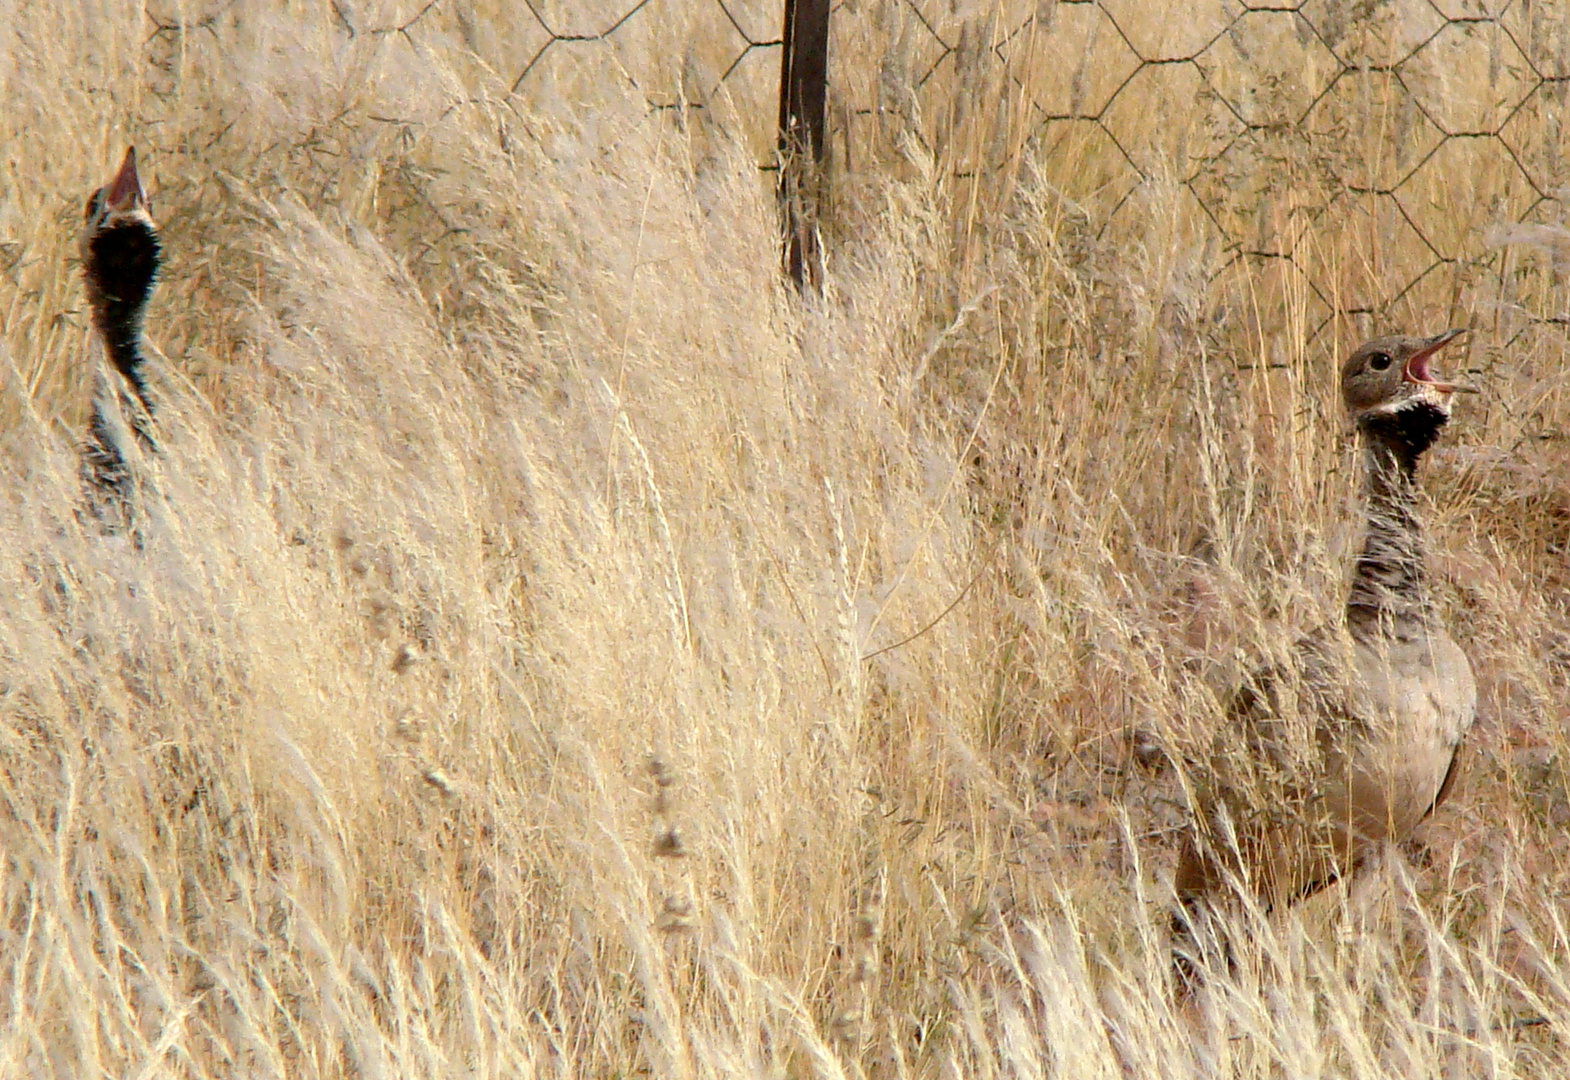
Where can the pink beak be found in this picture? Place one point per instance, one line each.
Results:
(125, 190)
(1416, 369)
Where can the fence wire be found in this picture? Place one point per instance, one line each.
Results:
(1381, 159)
(1396, 160)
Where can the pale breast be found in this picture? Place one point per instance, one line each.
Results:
(1414, 701)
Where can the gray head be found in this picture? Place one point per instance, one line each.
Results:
(1393, 394)
(1392, 373)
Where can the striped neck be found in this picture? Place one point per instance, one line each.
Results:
(123, 344)
(121, 267)
(1389, 596)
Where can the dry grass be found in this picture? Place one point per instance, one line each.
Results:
(491, 695)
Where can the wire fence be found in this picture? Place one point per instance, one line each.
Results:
(1374, 158)
(1383, 159)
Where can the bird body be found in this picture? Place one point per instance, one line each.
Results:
(121, 254)
(1352, 741)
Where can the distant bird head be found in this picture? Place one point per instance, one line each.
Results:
(122, 200)
(120, 248)
(1390, 390)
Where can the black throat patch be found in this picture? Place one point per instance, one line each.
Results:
(122, 265)
(1408, 431)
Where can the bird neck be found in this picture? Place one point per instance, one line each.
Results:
(120, 268)
(122, 339)
(1389, 595)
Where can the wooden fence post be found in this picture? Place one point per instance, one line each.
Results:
(804, 74)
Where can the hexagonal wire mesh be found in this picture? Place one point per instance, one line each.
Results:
(697, 54)
(1397, 160)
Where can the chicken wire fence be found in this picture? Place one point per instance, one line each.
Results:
(1398, 160)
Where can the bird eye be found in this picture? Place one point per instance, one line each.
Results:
(1379, 361)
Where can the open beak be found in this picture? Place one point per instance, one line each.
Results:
(1416, 369)
(125, 190)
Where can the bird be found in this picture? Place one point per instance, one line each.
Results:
(121, 254)
(1354, 740)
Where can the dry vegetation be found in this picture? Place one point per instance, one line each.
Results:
(559, 650)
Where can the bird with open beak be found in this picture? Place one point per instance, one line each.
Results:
(1352, 741)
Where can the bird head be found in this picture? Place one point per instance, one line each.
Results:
(1391, 391)
(1389, 374)
(120, 249)
(119, 202)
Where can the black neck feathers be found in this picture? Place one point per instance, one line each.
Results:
(1389, 593)
(1404, 433)
(120, 259)
(121, 268)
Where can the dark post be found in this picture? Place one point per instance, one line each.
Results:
(804, 78)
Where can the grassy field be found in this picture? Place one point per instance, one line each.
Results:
(560, 650)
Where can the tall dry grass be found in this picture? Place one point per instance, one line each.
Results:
(557, 649)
